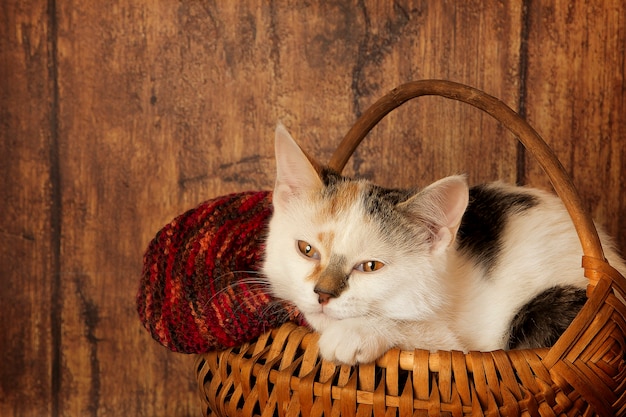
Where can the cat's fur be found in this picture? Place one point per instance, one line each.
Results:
(491, 267)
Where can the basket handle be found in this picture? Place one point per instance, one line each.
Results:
(561, 182)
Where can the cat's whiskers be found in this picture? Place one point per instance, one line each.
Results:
(258, 289)
(253, 283)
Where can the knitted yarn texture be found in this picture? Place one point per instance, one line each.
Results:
(201, 289)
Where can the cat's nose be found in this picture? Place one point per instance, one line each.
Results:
(323, 297)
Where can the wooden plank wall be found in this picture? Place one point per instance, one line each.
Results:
(117, 116)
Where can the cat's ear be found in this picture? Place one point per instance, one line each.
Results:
(295, 173)
(441, 206)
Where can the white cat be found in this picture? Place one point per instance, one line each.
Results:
(448, 267)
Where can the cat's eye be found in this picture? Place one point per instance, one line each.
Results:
(308, 250)
(369, 266)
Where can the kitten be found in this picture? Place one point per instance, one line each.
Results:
(448, 267)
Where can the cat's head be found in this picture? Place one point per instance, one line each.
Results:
(340, 248)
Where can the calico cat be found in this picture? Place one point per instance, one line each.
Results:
(448, 267)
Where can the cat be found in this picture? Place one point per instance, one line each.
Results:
(447, 267)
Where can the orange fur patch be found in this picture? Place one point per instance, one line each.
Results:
(317, 270)
(345, 196)
(326, 239)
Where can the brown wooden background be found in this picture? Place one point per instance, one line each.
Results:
(117, 116)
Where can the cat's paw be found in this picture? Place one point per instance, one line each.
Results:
(349, 344)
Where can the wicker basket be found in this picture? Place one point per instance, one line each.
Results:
(584, 373)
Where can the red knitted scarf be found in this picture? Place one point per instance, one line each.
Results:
(201, 289)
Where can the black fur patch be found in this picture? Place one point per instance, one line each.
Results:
(378, 200)
(331, 178)
(484, 220)
(543, 319)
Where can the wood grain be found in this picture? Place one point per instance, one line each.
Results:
(117, 117)
(28, 237)
(575, 97)
(116, 189)
(467, 42)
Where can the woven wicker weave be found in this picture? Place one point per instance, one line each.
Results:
(584, 373)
